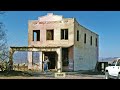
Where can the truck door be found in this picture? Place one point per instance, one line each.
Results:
(112, 68)
(117, 68)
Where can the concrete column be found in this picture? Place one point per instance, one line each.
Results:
(10, 55)
(30, 57)
(11, 59)
(41, 59)
(59, 62)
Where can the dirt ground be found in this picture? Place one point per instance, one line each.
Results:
(51, 75)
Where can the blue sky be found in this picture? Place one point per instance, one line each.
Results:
(105, 23)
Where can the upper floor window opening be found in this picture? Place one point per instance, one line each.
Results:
(64, 34)
(85, 38)
(77, 35)
(96, 42)
(50, 34)
(36, 35)
(91, 40)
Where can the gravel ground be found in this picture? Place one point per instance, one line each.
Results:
(50, 75)
(44, 77)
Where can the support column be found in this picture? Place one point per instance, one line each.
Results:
(43, 56)
(41, 59)
(30, 57)
(59, 62)
(11, 59)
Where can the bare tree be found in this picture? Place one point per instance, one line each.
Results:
(3, 44)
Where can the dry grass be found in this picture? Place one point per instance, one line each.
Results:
(14, 73)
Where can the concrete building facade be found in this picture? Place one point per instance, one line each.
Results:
(68, 45)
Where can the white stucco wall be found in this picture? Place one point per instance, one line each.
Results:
(84, 59)
(85, 55)
(65, 23)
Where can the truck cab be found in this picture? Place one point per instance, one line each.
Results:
(113, 70)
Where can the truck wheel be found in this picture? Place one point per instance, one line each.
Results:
(106, 75)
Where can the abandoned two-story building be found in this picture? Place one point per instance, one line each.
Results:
(68, 45)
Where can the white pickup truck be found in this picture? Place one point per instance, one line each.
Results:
(113, 70)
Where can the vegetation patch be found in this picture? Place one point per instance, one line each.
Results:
(14, 73)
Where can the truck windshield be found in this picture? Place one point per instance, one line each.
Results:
(118, 63)
(113, 63)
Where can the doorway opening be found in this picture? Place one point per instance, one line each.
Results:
(52, 56)
(65, 58)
